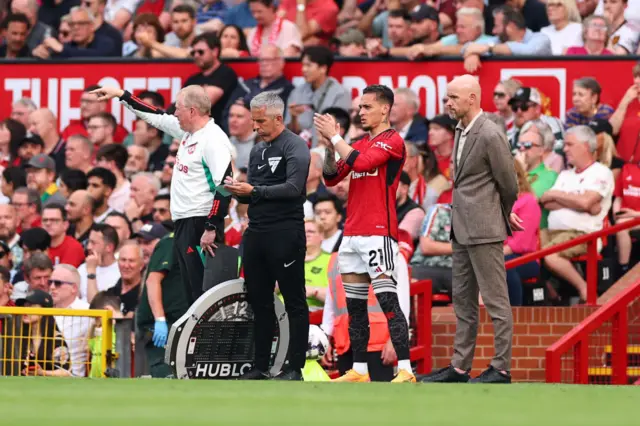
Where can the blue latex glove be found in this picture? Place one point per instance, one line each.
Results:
(160, 332)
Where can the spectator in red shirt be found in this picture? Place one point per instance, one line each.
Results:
(28, 205)
(90, 106)
(63, 249)
(11, 133)
(316, 19)
(595, 36)
(626, 120)
(626, 206)
(441, 131)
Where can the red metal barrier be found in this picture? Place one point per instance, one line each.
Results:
(592, 254)
(598, 350)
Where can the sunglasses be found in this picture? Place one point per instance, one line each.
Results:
(58, 283)
(527, 145)
(197, 52)
(64, 33)
(524, 107)
(500, 95)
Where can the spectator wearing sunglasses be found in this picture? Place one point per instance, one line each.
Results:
(161, 208)
(502, 94)
(167, 172)
(527, 106)
(64, 289)
(64, 31)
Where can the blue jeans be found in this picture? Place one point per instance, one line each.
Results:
(516, 275)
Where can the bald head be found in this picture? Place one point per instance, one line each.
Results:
(79, 205)
(464, 96)
(81, 197)
(42, 122)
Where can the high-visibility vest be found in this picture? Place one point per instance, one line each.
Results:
(378, 328)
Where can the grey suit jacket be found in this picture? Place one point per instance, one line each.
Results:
(485, 186)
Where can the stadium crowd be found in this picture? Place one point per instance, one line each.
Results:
(83, 208)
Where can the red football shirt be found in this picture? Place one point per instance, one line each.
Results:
(325, 13)
(444, 165)
(629, 138)
(375, 166)
(628, 187)
(77, 127)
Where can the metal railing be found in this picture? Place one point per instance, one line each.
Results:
(604, 348)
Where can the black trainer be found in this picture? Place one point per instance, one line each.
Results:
(446, 375)
(492, 375)
(254, 374)
(294, 375)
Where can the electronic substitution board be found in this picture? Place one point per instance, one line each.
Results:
(214, 338)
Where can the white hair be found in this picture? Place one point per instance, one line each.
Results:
(72, 269)
(145, 152)
(269, 100)
(410, 96)
(151, 178)
(476, 14)
(135, 244)
(86, 143)
(90, 15)
(195, 96)
(584, 134)
(547, 138)
(27, 103)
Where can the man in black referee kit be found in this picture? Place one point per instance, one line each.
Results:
(275, 243)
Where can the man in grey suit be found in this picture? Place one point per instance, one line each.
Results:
(484, 191)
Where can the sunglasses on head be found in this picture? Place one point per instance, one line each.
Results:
(58, 283)
(524, 107)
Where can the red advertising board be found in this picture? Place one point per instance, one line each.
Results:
(58, 85)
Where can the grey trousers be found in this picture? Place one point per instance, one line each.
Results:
(480, 268)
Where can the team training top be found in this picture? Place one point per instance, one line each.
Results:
(202, 163)
(375, 166)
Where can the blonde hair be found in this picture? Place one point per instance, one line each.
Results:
(511, 86)
(315, 222)
(196, 97)
(571, 7)
(606, 149)
(523, 181)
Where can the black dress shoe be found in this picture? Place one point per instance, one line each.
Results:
(294, 375)
(254, 374)
(492, 375)
(446, 375)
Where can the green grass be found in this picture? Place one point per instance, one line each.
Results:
(68, 402)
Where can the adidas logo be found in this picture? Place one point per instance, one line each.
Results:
(378, 269)
(273, 163)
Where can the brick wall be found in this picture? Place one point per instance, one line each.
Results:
(535, 329)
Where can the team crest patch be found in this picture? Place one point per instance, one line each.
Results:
(615, 40)
(191, 149)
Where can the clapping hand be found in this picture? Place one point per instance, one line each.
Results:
(326, 125)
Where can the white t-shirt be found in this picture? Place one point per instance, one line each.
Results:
(571, 35)
(596, 177)
(120, 196)
(329, 243)
(626, 38)
(106, 277)
(74, 330)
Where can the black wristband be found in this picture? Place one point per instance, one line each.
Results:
(208, 226)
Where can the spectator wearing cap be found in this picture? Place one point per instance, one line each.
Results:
(272, 28)
(441, 134)
(49, 357)
(579, 201)
(8, 231)
(270, 78)
(148, 237)
(151, 138)
(595, 36)
(424, 25)
(43, 122)
(316, 20)
(410, 214)
(30, 146)
(319, 92)
(28, 207)
(470, 27)
(71, 180)
(527, 106)
(241, 131)
(100, 271)
(624, 38)
(162, 208)
(586, 103)
(79, 208)
(406, 119)
(513, 38)
(63, 248)
(16, 28)
(352, 44)
(78, 154)
(565, 29)
(127, 288)
(536, 138)
(101, 185)
(90, 106)
(114, 158)
(41, 177)
(163, 299)
(64, 288)
(626, 120)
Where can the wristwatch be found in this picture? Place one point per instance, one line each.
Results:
(491, 46)
(254, 194)
(91, 276)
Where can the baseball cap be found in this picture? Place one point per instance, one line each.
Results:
(424, 11)
(36, 297)
(35, 239)
(151, 231)
(352, 36)
(42, 161)
(445, 122)
(526, 94)
(600, 125)
(31, 138)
